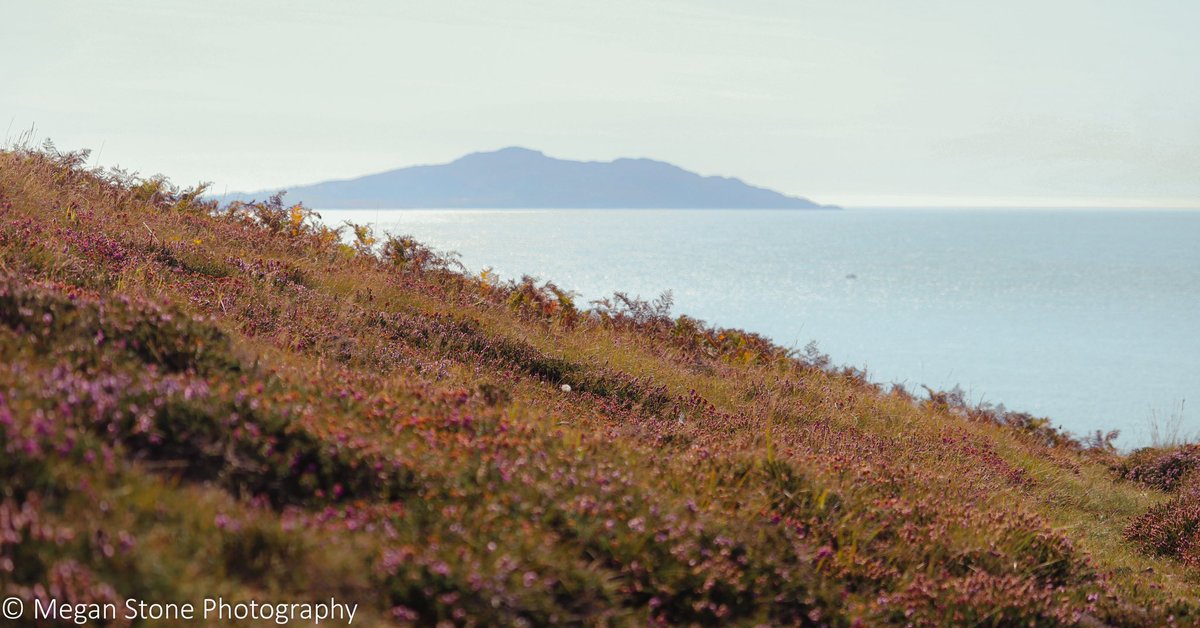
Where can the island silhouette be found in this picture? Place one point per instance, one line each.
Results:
(518, 177)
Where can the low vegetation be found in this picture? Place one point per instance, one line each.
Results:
(200, 401)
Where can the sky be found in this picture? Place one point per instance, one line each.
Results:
(864, 102)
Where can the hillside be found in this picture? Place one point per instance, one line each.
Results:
(522, 178)
(198, 401)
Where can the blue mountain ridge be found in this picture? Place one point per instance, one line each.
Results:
(517, 177)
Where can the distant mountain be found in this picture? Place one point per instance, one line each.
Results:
(523, 178)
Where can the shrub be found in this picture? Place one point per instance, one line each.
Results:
(296, 223)
(151, 333)
(1171, 529)
(1163, 469)
(546, 301)
(407, 253)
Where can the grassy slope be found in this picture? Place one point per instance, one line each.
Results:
(195, 404)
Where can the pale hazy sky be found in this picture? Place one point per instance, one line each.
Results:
(853, 102)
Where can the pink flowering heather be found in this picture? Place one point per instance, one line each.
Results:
(240, 400)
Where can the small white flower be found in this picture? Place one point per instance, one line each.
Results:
(566, 388)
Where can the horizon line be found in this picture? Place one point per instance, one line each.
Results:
(855, 201)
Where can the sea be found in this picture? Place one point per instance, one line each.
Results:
(1090, 317)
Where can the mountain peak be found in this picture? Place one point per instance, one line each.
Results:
(508, 151)
(519, 150)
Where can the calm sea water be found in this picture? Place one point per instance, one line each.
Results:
(1091, 318)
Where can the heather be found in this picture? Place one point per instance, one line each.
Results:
(1173, 528)
(1163, 468)
(201, 400)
